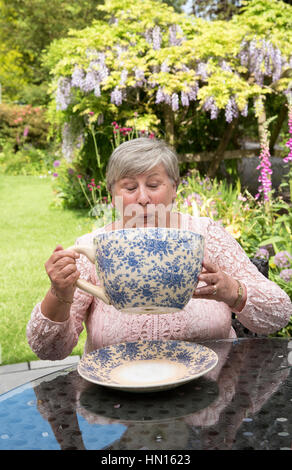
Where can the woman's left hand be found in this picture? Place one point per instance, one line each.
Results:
(219, 285)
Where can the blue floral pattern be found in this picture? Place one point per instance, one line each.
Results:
(149, 270)
(99, 366)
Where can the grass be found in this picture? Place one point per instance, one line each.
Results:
(30, 230)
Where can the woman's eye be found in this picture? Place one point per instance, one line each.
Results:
(130, 189)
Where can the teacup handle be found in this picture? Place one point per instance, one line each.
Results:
(86, 286)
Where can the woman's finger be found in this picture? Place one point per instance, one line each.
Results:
(209, 266)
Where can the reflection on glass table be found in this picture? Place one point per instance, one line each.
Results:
(244, 403)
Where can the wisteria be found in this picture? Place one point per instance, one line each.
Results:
(210, 106)
(231, 110)
(140, 77)
(174, 31)
(162, 97)
(174, 102)
(63, 95)
(202, 70)
(184, 99)
(156, 38)
(265, 168)
(91, 79)
(116, 96)
(289, 143)
(70, 141)
(262, 59)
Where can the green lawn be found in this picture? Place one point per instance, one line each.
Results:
(30, 229)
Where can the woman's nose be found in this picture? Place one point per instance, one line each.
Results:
(143, 197)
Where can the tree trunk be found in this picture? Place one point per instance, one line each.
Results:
(169, 124)
(219, 153)
(261, 116)
(278, 126)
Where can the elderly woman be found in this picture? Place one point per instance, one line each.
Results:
(143, 174)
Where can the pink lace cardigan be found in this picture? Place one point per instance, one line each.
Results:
(267, 309)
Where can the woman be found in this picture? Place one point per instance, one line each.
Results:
(143, 176)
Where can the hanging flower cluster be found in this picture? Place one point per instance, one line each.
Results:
(265, 168)
(262, 59)
(166, 61)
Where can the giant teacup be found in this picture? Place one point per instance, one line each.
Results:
(145, 270)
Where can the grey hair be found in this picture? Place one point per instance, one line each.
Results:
(137, 156)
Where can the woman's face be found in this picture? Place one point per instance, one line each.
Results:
(146, 199)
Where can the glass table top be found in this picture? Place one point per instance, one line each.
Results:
(244, 403)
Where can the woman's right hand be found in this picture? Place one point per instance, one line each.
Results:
(62, 271)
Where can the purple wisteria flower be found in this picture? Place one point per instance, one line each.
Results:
(192, 94)
(116, 97)
(63, 95)
(164, 67)
(124, 75)
(77, 77)
(174, 40)
(262, 59)
(162, 97)
(231, 110)
(156, 36)
(283, 259)
(139, 77)
(184, 99)
(210, 106)
(286, 275)
(202, 70)
(174, 102)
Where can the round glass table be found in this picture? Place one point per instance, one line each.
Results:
(244, 403)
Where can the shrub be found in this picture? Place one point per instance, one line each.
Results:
(20, 125)
(26, 161)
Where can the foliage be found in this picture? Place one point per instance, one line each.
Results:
(212, 9)
(29, 27)
(26, 30)
(26, 161)
(30, 230)
(185, 76)
(21, 125)
(12, 74)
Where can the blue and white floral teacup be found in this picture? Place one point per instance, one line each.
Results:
(145, 270)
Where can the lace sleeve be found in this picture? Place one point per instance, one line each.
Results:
(56, 340)
(268, 308)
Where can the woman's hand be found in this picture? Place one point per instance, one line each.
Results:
(62, 271)
(219, 285)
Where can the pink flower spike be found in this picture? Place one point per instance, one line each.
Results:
(79, 176)
(91, 113)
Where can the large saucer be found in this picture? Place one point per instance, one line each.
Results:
(147, 366)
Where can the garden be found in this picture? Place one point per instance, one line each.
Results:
(218, 89)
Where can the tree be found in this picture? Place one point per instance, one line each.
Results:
(168, 67)
(216, 10)
(29, 28)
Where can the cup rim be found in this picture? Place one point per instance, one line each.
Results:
(144, 229)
